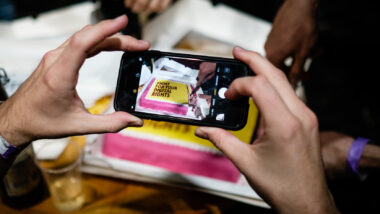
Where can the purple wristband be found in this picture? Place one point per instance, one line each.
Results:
(7, 150)
(355, 154)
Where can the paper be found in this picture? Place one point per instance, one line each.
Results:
(49, 149)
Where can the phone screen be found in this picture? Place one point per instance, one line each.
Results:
(188, 88)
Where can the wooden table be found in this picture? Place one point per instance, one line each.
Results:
(109, 195)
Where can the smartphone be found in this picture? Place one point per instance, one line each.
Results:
(181, 88)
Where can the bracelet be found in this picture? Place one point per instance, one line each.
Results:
(355, 153)
(7, 150)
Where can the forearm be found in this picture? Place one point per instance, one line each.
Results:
(320, 201)
(5, 160)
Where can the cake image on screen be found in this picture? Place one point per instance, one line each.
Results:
(166, 88)
(166, 95)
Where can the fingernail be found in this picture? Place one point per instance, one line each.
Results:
(199, 132)
(119, 18)
(137, 122)
(227, 94)
(238, 48)
(144, 42)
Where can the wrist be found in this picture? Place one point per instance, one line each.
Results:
(8, 131)
(355, 154)
(370, 159)
(316, 203)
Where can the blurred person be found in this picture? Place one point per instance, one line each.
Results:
(147, 6)
(283, 164)
(340, 87)
(132, 8)
(207, 71)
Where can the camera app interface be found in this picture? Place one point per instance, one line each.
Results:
(186, 88)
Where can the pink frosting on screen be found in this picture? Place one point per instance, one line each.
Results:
(161, 106)
(170, 157)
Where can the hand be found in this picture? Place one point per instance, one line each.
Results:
(283, 164)
(335, 148)
(147, 6)
(293, 34)
(206, 71)
(47, 104)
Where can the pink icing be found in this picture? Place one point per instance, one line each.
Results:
(170, 157)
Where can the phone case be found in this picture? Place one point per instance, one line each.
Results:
(243, 103)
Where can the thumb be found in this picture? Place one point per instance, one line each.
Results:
(113, 122)
(232, 147)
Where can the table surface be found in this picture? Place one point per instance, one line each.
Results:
(109, 195)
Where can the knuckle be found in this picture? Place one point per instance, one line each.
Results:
(48, 55)
(254, 56)
(259, 82)
(49, 80)
(76, 40)
(255, 85)
(311, 121)
(216, 137)
(279, 74)
(292, 129)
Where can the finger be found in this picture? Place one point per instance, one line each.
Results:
(278, 80)
(108, 123)
(163, 5)
(266, 98)
(139, 6)
(120, 42)
(82, 42)
(273, 55)
(128, 3)
(297, 70)
(235, 150)
(152, 7)
(65, 43)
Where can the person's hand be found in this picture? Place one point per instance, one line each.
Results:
(293, 34)
(284, 163)
(147, 6)
(206, 71)
(47, 104)
(335, 148)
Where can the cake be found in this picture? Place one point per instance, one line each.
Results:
(166, 95)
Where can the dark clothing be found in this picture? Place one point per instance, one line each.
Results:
(343, 89)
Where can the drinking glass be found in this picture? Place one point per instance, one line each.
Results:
(63, 176)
